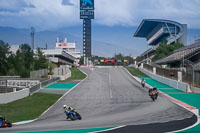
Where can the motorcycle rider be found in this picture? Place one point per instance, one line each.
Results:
(143, 82)
(65, 107)
(156, 91)
(2, 120)
(150, 91)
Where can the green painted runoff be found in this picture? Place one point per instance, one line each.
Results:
(74, 130)
(60, 86)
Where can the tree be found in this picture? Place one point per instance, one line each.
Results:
(165, 49)
(118, 56)
(24, 60)
(27, 55)
(11, 65)
(40, 61)
(4, 53)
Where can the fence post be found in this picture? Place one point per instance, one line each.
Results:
(154, 70)
(180, 76)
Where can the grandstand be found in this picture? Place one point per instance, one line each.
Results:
(59, 57)
(157, 30)
(176, 59)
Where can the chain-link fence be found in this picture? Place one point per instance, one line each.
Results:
(39, 73)
(42, 84)
(47, 82)
(8, 85)
(168, 73)
(148, 67)
(6, 89)
(189, 75)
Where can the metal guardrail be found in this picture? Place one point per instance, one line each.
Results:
(6, 86)
(42, 84)
(34, 88)
(4, 89)
(173, 83)
(45, 83)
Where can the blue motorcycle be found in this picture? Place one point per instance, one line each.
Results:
(72, 115)
(4, 122)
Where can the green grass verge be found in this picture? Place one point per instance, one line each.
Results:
(136, 72)
(28, 108)
(76, 74)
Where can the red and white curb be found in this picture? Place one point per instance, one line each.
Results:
(178, 102)
(23, 122)
(29, 121)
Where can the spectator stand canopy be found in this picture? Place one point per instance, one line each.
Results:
(156, 30)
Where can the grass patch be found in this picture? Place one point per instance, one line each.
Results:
(28, 108)
(76, 74)
(136, 72)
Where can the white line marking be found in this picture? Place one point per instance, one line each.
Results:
(108, 129)
(109, 78)
(110, 86)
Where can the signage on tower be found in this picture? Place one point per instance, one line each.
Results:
(86, 4)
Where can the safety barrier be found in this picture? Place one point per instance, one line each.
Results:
(62, 72)
(20, 93)
(13, 96)
(173, 83)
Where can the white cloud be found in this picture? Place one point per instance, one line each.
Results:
(131, 12)
(47, 14)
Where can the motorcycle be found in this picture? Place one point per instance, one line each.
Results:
(73, 115)
(153, 95)
(4, 122)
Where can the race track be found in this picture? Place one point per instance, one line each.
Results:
(111, 97)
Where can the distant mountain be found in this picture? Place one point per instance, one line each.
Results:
(15, 36)
(106, 40)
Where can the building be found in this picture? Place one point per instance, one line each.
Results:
(59, 57)
(14, 48)
(65, 53)
(156, 30)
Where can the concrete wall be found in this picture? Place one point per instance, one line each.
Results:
(62, 72)
(13, 96)
(173, 83)
(38, 73)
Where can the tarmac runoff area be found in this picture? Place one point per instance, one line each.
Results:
(110, 97)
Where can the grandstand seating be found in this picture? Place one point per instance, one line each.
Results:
(185, 52)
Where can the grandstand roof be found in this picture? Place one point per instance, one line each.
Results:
(147, 26)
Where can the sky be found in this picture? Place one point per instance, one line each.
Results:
(120, 14)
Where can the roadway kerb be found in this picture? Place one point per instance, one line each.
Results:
(176, 101)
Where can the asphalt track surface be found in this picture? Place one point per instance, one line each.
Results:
(111, 97)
